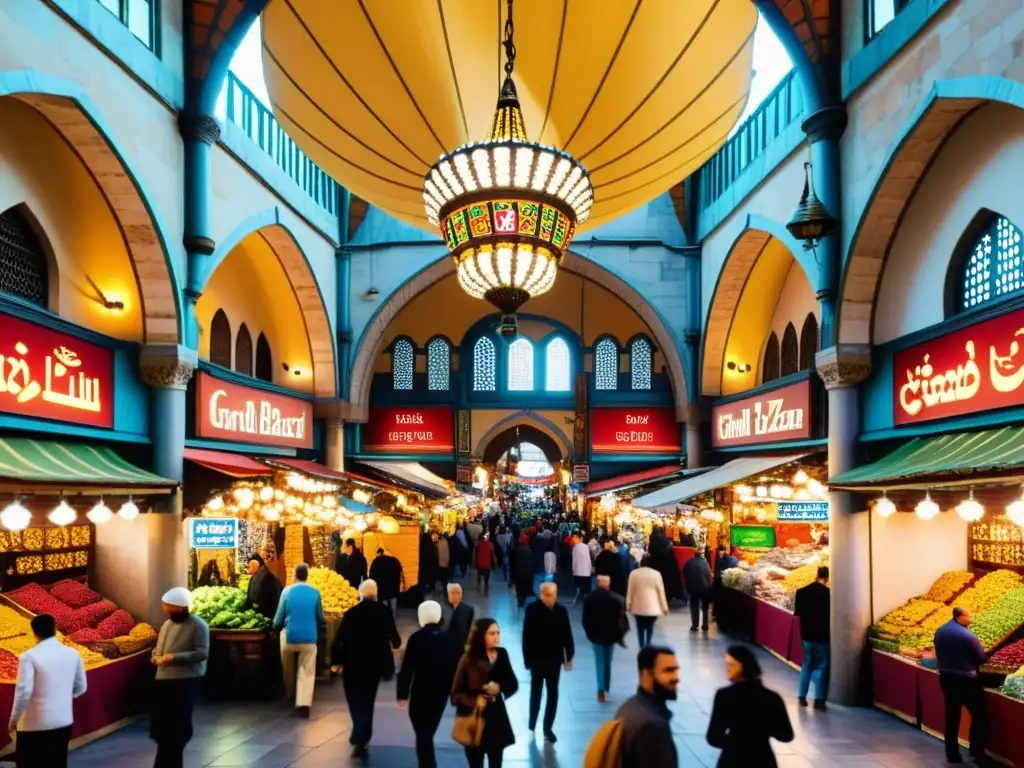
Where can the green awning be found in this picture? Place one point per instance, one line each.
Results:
(69, 465)
(948, 460)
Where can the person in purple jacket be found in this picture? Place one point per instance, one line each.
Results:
(959, 654)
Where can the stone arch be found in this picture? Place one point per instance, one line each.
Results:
(304, 284)
(67, 107)
(527, 420)
(732, 279)
(369, 344)
(526, 433)
(945, 106)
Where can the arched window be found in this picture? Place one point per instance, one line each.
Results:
(403, 362)
(23, 270)
(640, 364)
(994, 269)
(484, 360)
(770, 368)
(220, 339)
(556, 373)
(520, 365)
(264, 360)
(606, 365)
(439, 365)
(790, 351)
(243, 351)
(808, 342)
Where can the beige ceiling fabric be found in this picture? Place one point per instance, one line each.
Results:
(642, 93)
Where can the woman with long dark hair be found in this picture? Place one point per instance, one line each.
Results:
(746, 715)
(485, 672)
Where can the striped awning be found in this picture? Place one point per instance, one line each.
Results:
(71, 465)
(230, 464)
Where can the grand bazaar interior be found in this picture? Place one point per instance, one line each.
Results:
(276, 274)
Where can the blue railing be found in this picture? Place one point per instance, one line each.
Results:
(780, 108)
(258, 122)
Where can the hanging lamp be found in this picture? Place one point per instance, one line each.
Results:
(812, 221)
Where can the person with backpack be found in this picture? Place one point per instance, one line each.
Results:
(640, 735)
(605, 623)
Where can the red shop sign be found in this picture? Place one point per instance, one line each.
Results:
(411, 429)
(975, 369)
(634, 430)
(782, 414)
(50, 375)
(226, 411)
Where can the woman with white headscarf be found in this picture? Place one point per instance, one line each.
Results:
(180, 655)
(428, 668)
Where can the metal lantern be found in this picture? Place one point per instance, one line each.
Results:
(812, 221)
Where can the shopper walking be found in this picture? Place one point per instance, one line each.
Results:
(547, 647)
(697, 575)
(386, 570)
(430, 568)
(606, 625)
(645, 599)
(812, 610)
(362, 652)
(355, 564)
(50, 677)
(523, 570)
(503, 550)
(182, 648)
(746, 716)
(444, 559)
(483, 559)
(485, 676)
(461, 621)
(646, 734)
(582, 570)
(300, 614)
(608, 563)
(264, 589)
(959, 654)
(425, 679)
(724, 560)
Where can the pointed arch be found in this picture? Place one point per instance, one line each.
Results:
(808, 342)
(403, 363)
(524, 420)
(439, 364)
(557, 366)
(243, 351)
(220, 339)
(520, 365)
(641, 363)
(771, 365)
(25, 267)
(790, 356)
(485, 374)
(606, 364)
(264, 359)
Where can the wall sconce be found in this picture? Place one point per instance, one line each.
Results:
(371, 293)
(735, 367)
(288, 369)
(113, 306)
(107, 302)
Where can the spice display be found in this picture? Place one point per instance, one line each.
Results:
(1009, 658)
(776, 574)
(8, 666)
(86, 635)
(118, 623)
(336, 593)
(293, 535)
(35, 599)
(26, 565)
(74, 594)
(948, 585)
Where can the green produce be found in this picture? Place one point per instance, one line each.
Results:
(225, 608)
(1000, 620)
(1014, 685)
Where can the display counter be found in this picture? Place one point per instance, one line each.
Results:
(768, 625)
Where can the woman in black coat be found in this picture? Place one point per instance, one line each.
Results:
(485, 670)
(746, 715)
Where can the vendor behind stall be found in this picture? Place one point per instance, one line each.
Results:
(264, 588)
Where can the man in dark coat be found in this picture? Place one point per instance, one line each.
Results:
(547, 647)
(428, 669)
(355, 564)
(362, 652)
(605, 623)
(608, 563)
(697, 574)
(646, 734)
(461, 620)
(523, 569)
(724, 560)
(264, 589)
(813, 609)
(386, 570)
(429, 565)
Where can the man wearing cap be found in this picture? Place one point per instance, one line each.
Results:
(180, 655)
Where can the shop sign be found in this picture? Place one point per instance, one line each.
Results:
(975, 369)
(204, 533)
(464, 474)
(803, 511)
(581, 473)
(635, 430)
(49, 375)
(752, 536)
(227, 411)
(409, 429)
(782, 414)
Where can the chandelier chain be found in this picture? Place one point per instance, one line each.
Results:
(509, 42)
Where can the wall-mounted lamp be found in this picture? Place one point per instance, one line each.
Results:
(108, 303)
(735, 367)
(371, 293)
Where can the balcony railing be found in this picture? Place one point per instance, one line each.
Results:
(258, 122)
(782, 106)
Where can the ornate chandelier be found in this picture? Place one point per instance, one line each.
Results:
(507, 207)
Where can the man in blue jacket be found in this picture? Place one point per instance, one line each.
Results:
(959, 653)
(299, 617)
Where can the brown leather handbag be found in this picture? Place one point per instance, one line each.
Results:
(469, 729)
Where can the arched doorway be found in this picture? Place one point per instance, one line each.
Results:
(519, 436)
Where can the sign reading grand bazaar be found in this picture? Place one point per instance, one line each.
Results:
(782, 414)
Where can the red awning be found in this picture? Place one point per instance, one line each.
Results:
(311, 468)
(233, 464)
(633, 479)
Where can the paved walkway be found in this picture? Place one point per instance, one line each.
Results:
(265, 735)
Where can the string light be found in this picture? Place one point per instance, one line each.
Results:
(128, 510)
(969, 509)
(1015, 510)
(926, 509)
(63, 514)
(100, 513)
(361, 496)
(884, 507)
(800, 478)
(266, 493)
(15, 517)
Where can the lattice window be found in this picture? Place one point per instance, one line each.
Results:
(770, 369)
(556, 374)
(484, 363)
(403, 363)
(808, 342)
(606, 365)
(790, 351)
(520, 366)
(640, 364)
(264, 359)
(439, 365)
(220, 339)
(994, 269)
(23, 270)
(243, 351)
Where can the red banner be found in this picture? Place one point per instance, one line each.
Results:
(976, 369)
(635, 430)
(227, 411)
(409, 430)
(49, 375)
(782, 414)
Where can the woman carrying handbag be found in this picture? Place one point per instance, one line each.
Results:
(483, 681)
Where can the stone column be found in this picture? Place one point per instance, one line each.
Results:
(694, 438)
(334, 414)
(842, 368)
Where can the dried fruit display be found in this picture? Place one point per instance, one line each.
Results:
(948, 585)
(94, 613)
(35, 599)
(32, 539)
(81, 559)
(1009, 658)
(127, 645)
(89, 658)
(336, 594)
(26, 565)
(87, 635)
(909, 615)
(8, 666)
(802, 576)
(995, 625)
(74, 594)
(81, 535)
(989, 590)
(58, 538)
(142, 631)
(116, 624)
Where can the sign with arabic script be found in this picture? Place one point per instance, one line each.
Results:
(207, 533)
(635, 430)
(978, 368)
(409, 429)
(49, 375)
(782, 414)
(227, 411)
(803, 511)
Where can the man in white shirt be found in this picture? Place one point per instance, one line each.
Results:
(50, 676)
(582, 570)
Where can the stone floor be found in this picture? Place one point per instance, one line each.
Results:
(265, 735)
